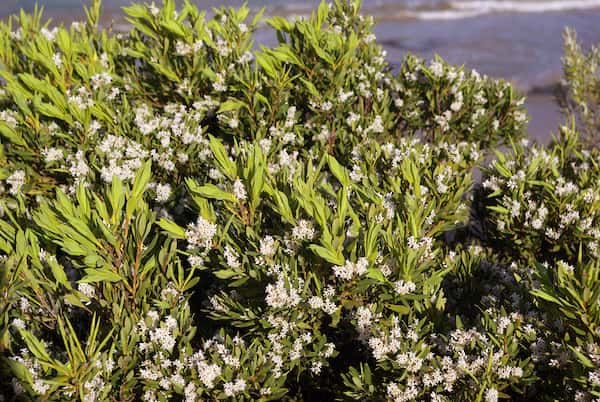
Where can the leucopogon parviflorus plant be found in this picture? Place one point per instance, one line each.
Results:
(185, 217)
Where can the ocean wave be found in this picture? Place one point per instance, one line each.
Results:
(448, 14)
(467, 9)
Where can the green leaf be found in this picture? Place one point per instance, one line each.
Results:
(311, 88)
(230, 105)
(338, 171)
(52, 111)
(116, 198)
(282, 206)
(174, 230)
(328, 255)
(227, 166)
(213, 192)
(225, 274)
(335, 317)
(173, 27)
(36, 347)
(10, 134)
(322, 13)
(499, 209)
(375, 273)
(280, 24)
(266, 62)
(59, 273)
(101, 275)
(136, 11)
(166, 71)
(18, 369)
(582, 358)
(74, 300)
(546, 296)
(398, 308)
(142, 178)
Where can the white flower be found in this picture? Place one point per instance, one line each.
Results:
(347, 271)
(57, 59)
(377, 126)
(278, 296)
(208, 373)
(163, 192)
(222, 47)
(162, 336)
(8, 117)
(267, 246)
(364, 318)
(201, 233)
(567, 267)
(444, 120)
(352, 118)
(520, 116)
(49, 34)
(458, 102)
(195, 260)
(100, 80)
(326, 106)
(495, 124)
(239, 190)
(437, 69)
(594, 377)
(304, 230)
(154, 10)
(219, 83)
(87, 289)
(356, 174)
(491, 395)
(40, 387)
(16, 181)
(232, 388)
(183, 49)
(232, 257)
(18, 323)
(316, 302)
(344, 96)
(402, 288)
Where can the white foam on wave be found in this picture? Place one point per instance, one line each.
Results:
(526, 6)
(441, 14)
(468, 9)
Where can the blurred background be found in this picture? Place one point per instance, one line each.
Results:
(520, 41)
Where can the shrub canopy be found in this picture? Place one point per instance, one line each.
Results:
(185, 217)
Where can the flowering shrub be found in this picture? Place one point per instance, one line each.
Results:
(186, 218)
(541, 211)
(443, 101)
(542, 201)
(580, 92)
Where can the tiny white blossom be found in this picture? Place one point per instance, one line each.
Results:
(163, 192)
(87, 289)
(201, 233)
(491, 395)
(18, 323)
(16, 180)
(304, 230)
(402, 288)
(239, 190)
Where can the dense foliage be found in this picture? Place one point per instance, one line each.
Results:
(184, 217)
